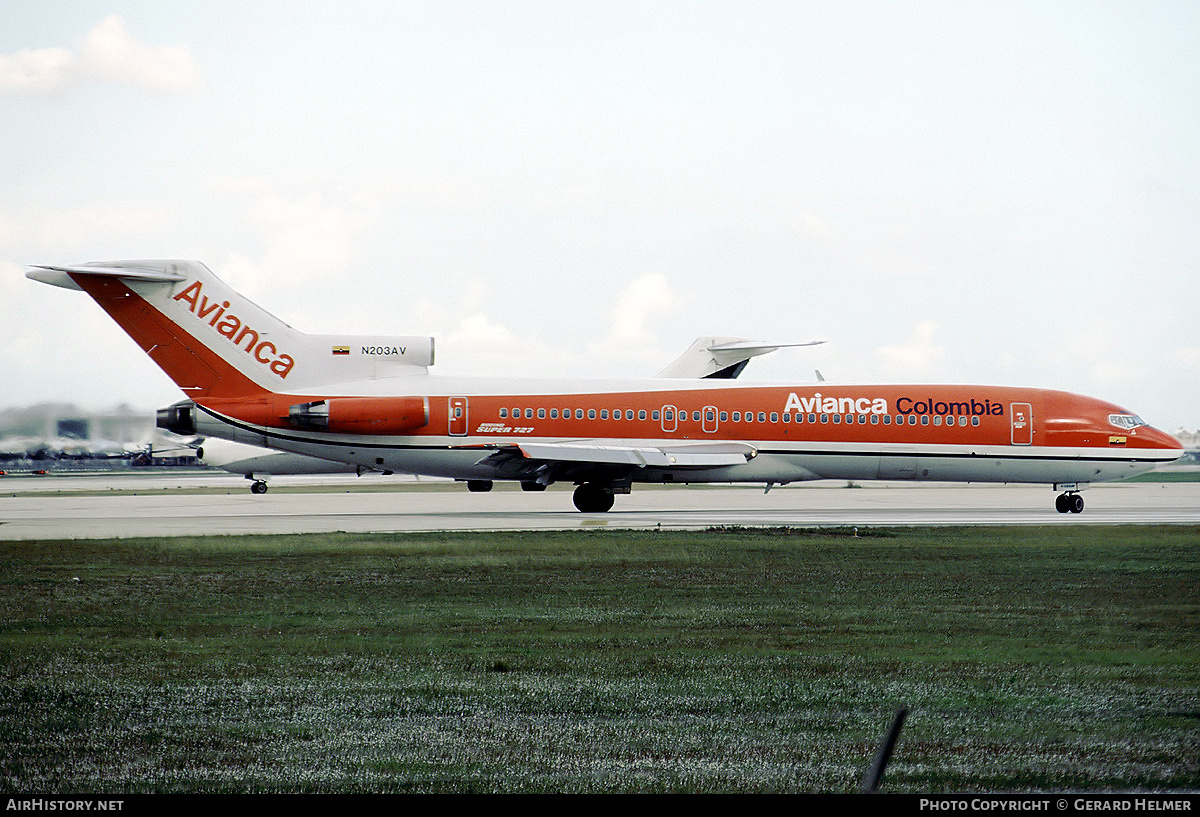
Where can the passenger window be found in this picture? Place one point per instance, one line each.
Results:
(787, 418)
(553, 414)
(578, 414)
(603, 414)
(762, 416)
(529, 414)
(541, 414)
(642, 414)
(591, 414)
(654, 414)
(774, 416)
(724, 416)
(503, 414)
(737, 416)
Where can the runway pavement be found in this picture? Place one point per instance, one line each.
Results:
(43, 508)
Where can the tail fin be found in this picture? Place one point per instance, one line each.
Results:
(214, 343)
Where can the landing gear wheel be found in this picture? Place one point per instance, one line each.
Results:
(1072, 503)
(591, 497)
(259, 487)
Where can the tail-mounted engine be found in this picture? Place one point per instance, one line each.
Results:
(361, 415)
(179, 418)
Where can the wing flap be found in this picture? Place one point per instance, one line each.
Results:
(713, 455)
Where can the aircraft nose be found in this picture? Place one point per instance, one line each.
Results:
(1161, 439)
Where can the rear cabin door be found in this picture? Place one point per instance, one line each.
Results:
(669, 418)
(1022, 424)
(458, 416)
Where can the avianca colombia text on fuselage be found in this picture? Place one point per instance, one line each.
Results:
(370, 402)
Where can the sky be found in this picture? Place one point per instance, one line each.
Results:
(958, 192)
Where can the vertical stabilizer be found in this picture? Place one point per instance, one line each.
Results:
(215, 343)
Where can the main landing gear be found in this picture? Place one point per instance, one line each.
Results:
(258, 486)
(592, 497)
(1069, 502)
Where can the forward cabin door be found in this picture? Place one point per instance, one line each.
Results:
(1022, 424)
(458, 416)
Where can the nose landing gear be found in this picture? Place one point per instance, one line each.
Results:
(1069, 502)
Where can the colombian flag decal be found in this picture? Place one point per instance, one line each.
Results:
(341, 350)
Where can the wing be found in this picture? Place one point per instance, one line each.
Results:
(548, 462)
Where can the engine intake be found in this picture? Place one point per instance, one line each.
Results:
(178, 418)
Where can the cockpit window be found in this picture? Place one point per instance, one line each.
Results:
(1126, 421)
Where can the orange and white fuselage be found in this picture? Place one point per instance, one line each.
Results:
(370, 402)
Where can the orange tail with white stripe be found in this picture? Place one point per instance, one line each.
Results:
(214, 343)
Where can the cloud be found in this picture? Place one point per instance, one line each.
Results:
(639, 304)
(1188, 357)
(306, 239)
(917, 357)
(109, 53)
(62, 229)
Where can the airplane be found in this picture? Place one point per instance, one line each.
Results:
(369, 401)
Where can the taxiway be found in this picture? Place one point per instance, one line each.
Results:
(45, 508)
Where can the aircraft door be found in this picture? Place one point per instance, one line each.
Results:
(709, 416)
(458, 416)
(670, 418)
(1022, 424)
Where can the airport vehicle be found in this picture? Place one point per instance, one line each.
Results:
(370, 401)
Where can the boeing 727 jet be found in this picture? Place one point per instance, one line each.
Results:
(370, 402)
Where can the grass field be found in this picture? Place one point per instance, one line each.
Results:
(720, 661)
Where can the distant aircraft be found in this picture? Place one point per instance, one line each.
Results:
(369, 401)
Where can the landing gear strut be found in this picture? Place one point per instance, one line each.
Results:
(592, 497)
(1070, 501)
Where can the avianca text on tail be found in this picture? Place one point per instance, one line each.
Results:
(232, 327)
(694, 423)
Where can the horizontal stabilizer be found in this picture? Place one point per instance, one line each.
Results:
(165, 272)
(722, 358)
